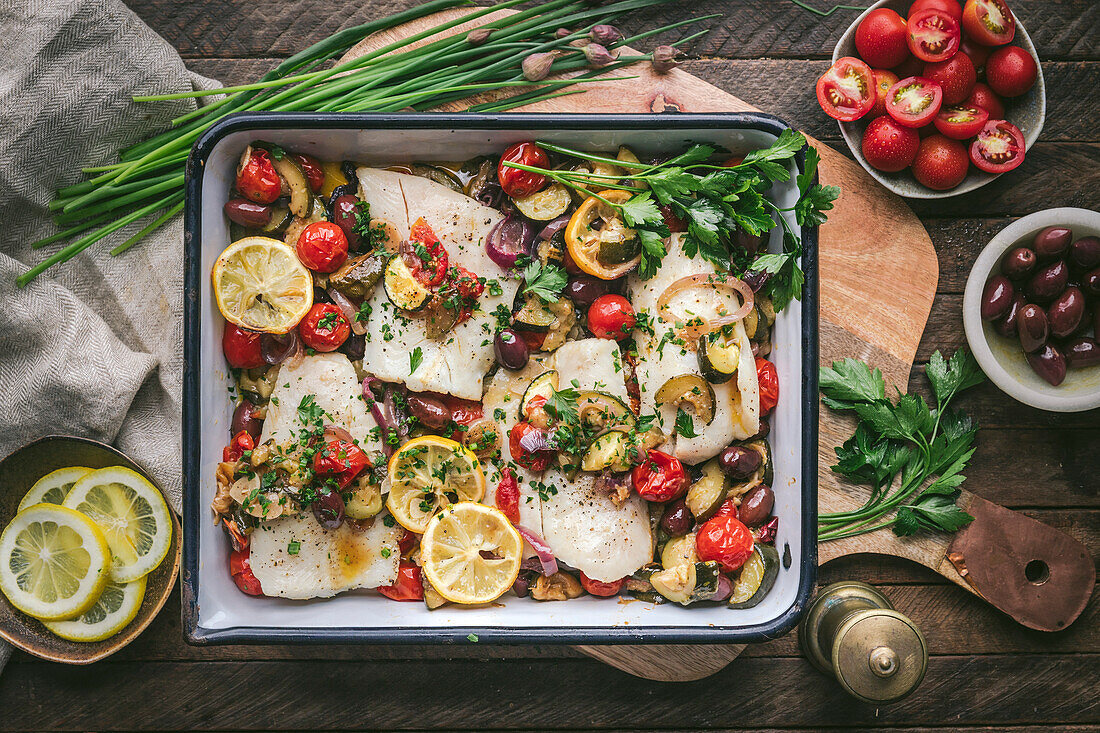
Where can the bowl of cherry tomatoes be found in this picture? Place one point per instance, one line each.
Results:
(935, 97)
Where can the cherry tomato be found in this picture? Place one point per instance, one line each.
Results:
(315, 174)
(507, 496)
(880, 38)
(519, 183)
(340, 459)
(611, 317)
(429, 266)
(673, 222)
(888, 146)
(240, 443)
(322, 247)
(950, 7)
(1011, 71)
(933, 35)
(407, 587)
(257, 179)
(407, 542)
(846, 91)
(884, 79)
(727, 509)
(240, 569)
(961, 122)
(768, 379)
(467, 284)
(324, 328)
(956, 77)
(725, 540)
(912, 66)
(533, 339)
(941, 163)
(241, 347)
(913, 102)
(537, 461)
(660, 477)
(999, 147)
(601, 588)
(976, 51)
(989, 22)
(986, 98)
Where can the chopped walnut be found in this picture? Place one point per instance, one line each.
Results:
(223, 500)
(558, 587)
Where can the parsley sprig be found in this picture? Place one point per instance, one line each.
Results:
(912, 456)
(546, 281)
(714, 201)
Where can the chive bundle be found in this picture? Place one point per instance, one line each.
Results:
(148, 180)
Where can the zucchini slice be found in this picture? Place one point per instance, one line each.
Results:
(679, 551)
(690, 391)
(719, 356)
(610, 451)
(756, 578)
(535, 315)
(618, 251)
(549, 203)
(604, 411)
(298, 224)
(541, 386)
(301, 195)
(402, 287)
(676, 583)
(365, 501)
(707, 494)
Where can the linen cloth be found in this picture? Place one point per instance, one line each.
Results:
(94, 346)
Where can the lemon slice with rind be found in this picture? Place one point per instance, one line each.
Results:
(117, 606)
(132, 515)
(53, 487)
(471, 553)
(54, 562)
(260, 284)
(427, 474)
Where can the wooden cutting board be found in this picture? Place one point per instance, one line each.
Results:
(878, 276)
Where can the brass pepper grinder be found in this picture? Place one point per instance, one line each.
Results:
(853, 633)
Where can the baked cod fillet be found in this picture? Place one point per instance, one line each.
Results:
(457, 363)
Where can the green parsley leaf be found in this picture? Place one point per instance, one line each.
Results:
(672, 182)
(640, 211)
(785, 147)
(415, 358)
(685, 426)
(545, 281)
(809, 210)
(653, 251)
(562, 404)
(294, 547)
(849, 381)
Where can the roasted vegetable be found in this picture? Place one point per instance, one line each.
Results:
(719, 356)
(402, 287)
(549, 203)
(366, 498)
(598, 240)
(535, 396)
(763, 475)
(359, 276)
(690, 392)
(301, 195)
(707, 494)
(756, 578)
(535, 315)
(610, 451)
(602, 410)
(298, 224)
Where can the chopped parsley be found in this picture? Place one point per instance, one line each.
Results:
(545, 281)
(294, 547)
(685, 426)
(415, 359)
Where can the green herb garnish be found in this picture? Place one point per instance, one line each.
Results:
(415, 358)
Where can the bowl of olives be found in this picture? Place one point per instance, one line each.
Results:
(1031, 310)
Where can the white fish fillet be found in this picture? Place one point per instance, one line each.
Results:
(331, 379)
(457, 363)
(737, 402)
(327, 562)
(595, 364)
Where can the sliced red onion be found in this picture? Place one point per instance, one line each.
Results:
(511, 237)
(382, 415)
(724, 589)
(536, 441)
(349, 310)
(554, 226)
(277, 349)
(337, 432)
(538, 544)
(397, 414)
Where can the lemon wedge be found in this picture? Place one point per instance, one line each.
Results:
(54, 562)
(132, 515)
(53, 487)
(117, 606)
(427, 474)
(471, 553)
(260, 284)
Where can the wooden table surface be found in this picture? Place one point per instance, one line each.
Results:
(986, 673)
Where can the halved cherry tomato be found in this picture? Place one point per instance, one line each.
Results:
(1011, 71)
(989, 22)
(956, 77)
(999, 147)
(611, 317)
(725, 540)
(324, 328)
(467, 284)
(240, 443)
(601, 588)
(322, 247)
(407, 587)
(519, 183)
(507, 497)
(660, 477)
(429, 266)
(315, 174)
(950, 7)
(768, 379)
(941, 163)
(933, 35)
(884, 79)
(961, 121)
(257, 179)
(913, 102)
(340, 459)
(846, 91)
(242, 347)
(987, 99)
(536, 461)
(240, 569)
(880, 38)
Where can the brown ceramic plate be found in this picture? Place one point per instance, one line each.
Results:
(18, 472)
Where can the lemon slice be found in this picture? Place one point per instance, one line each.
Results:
(116, 607)
(260, 284)
(427, 474)
(132, 515)
(54, 562)
(471, 553)
(53, 487)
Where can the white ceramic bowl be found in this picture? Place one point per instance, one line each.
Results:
(1001, 358)
(1027, 112)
